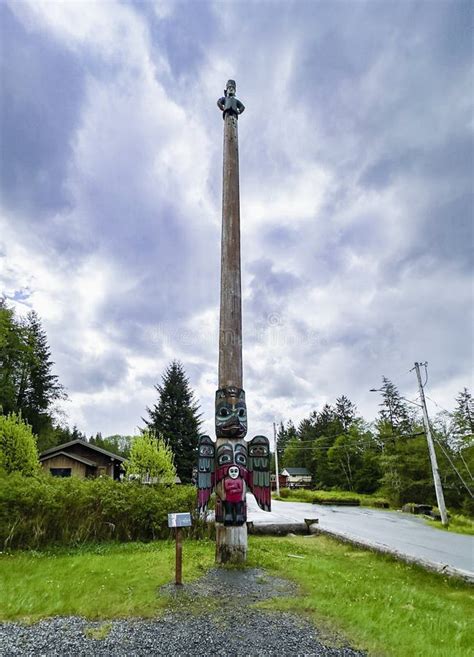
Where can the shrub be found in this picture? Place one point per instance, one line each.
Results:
(151, 458)
(43, 510)
(18, 451)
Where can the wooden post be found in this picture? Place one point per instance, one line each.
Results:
(230, 324)
(179, 558)
(231, 542)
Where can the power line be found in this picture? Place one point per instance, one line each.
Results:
(454, 467)
(465, 464)
(438, 405)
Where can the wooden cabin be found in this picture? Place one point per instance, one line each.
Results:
(297, 477)
(81, 459)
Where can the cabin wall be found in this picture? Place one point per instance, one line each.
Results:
(77, 469)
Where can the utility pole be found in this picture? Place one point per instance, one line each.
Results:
(431, 449)
(276, 460)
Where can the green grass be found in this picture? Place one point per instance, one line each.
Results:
(377, 603)
(98, 633)
(101, 582)
(306, 495)
(457, 523)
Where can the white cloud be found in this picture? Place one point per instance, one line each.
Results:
(126, 276)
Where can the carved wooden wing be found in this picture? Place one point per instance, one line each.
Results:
(259, 471)
(205, 476)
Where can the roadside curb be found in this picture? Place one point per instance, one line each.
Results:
(433, 566)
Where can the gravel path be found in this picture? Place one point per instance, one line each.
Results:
(211, 616)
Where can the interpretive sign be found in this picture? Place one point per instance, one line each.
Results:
(179, 520)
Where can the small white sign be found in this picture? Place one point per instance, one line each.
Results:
(179, 520)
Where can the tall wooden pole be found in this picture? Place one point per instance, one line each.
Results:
(230, 325)
(431, 449)
(231, 542)
(275, 438)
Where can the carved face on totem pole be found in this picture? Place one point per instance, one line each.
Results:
(233, 464)
(231, 413)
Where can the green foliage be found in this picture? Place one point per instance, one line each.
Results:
(458, 524)
(407, 472)
(117, 444)
(175, 416)
(331, 497)
(394, 416)
(284, 435)
(354, 460)
(18, 451)
(151, 458)
(44, 510)
(27, 384)
(463, 419)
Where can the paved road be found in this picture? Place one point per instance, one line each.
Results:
(395, 531)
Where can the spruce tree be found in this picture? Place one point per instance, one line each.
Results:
(345, 412)
(394, 416)
(463, 418)
(27, 384)
(13, 359)
(175, 416)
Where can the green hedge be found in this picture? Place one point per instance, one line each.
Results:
(44, 510)
(332, 497)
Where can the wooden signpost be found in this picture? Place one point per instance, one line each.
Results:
(177, 521)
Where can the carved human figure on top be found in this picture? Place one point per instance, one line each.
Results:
(229, 104)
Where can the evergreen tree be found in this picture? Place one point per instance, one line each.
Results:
(40, 388)
(345, 412)
(175, 416)
(27, 384)
(284, 435)
(13, 359)
(394, 417)
(293, 456)
(78, 435)
(116, 444)
(463, 419)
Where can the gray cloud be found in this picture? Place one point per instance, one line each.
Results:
(356, 168)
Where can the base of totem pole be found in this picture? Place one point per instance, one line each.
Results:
(231, 544)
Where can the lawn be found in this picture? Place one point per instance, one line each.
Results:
(377, 603)
(102, 581)
(330, 497)
(458, 524)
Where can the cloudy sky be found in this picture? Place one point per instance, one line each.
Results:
(356, 162)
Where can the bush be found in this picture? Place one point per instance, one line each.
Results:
(332, 497)
(43, 510)
(18, 451)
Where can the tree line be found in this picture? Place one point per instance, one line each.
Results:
(343, 451)
(339, 447)
(30, 392)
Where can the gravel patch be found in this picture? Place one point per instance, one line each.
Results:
(212, 616)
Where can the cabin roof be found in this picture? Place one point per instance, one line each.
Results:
(74, 457)
(295, 472)
(83, 443)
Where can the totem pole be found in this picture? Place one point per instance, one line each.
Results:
(231, 464)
